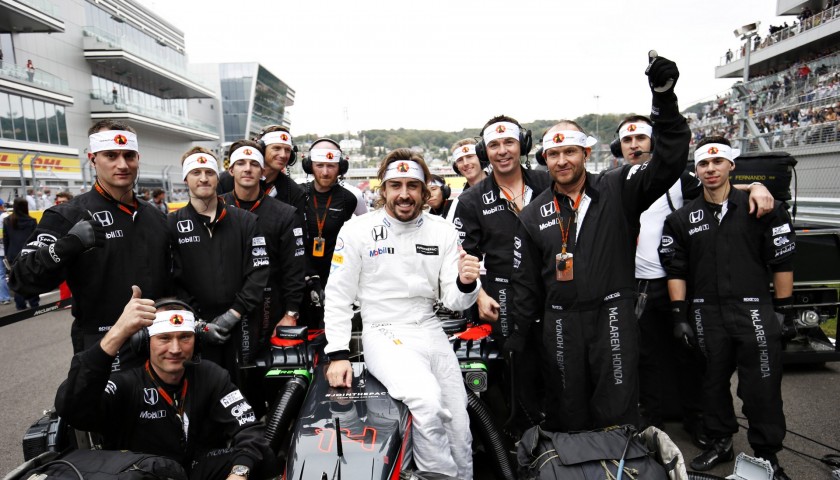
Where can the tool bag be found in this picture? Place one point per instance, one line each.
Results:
(108, 465)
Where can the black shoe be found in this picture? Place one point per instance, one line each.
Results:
(694, 427)
(778, 471)
(720, 451)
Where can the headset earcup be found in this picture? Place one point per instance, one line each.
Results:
(481, 152)
(455, 167)
(139, 343)
(615, 148)
(447, 191)
(343, 166)
(540, 157)
(306, 163)
(526, 142)
(292, 156)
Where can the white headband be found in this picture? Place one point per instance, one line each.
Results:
(169, 321)
(463, 151)
(199, 160)
(635, 128)
(278, 136)
(325, 155)
(567, 137)
(113, 140)
(404, 169)
(501, 130)
(436, 183)
(247, 153)
(712, 150)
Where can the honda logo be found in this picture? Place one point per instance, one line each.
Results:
(696, 216)
(185, 226)
(150, 396)
(379, 233)
(548, 209)
(489, 197)
(104, 217)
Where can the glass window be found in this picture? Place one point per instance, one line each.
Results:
(29, 119)
(52, 126)
(6, 128)
(17, 117)
(62, 124)
(41, 122)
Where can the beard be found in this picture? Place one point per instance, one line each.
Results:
(405, 209)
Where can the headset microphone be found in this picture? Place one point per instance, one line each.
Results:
(639, 153)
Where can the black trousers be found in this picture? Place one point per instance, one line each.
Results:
(746, 337)
(670, 375)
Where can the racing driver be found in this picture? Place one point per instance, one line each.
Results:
(397, 261)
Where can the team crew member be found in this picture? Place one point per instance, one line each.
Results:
(328, 206)
(573, 265)
(466, 164)
(221, 262)
(168, 406)
(439, 202)
(660, 356)
(283, 234)
(101, 242)
(397, 262)
(717, 257)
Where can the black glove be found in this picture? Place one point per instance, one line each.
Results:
(786, 315)
(662, 77)
(682, 328)
(84, 235)
(211, 334)
(316, 290)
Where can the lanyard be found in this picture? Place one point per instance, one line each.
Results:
(253, 207)
(318, 220)
(511, 203)
(123, 207)
(564, 232)
(177, 403)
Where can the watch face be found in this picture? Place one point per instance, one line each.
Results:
(240, 470)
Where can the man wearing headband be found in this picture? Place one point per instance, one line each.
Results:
(221, 263)
(660, 355)
(101, 242)
(398, 261)
(717, 257)
(189, 412)
(284, 239)
(439, 202)
(328, 206)
(465, 163)
(486, 217)
(573, 265)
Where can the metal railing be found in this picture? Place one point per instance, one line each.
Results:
(808, 135)
(37, 78)
(116, 43)
(120, 105)
(43, 6)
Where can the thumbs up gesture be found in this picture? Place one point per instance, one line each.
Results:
(139, 312)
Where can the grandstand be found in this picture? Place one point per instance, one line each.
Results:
(791, 101)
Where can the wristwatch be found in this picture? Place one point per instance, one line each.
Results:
(293, 314)
(240, 470)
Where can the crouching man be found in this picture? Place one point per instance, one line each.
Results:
(397, 261)
(190, 412)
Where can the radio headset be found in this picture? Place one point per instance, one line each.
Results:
(343, 163)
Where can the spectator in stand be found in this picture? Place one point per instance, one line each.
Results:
(17, 227)
(31, 202)
(729, 55)
(30, 70)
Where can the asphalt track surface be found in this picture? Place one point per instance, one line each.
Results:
(35, 355)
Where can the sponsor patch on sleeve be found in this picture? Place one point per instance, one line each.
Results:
(297, 232)
(781, 229)
(231, 398)
(258, 241)
(338, 259)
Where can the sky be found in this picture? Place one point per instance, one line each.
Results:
(448, 65)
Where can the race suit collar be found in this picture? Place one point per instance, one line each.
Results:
(398, 226)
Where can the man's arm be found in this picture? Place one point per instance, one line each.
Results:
(338, 309)
(528, 291)
(87, 399)
(674, 257)
(231, 413)
(292, 263)
(255, 268)
(466, 220)
(458, 279)
(761, 200)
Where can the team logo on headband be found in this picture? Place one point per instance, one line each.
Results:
(713, 150)
(402, 167)
(284, 137)
(247, 151)
(330, 156)
(201, 160)
(176, 320)
(558, 138)
(120, 140)
(631, 127)
(500, 129)
(465, 149)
